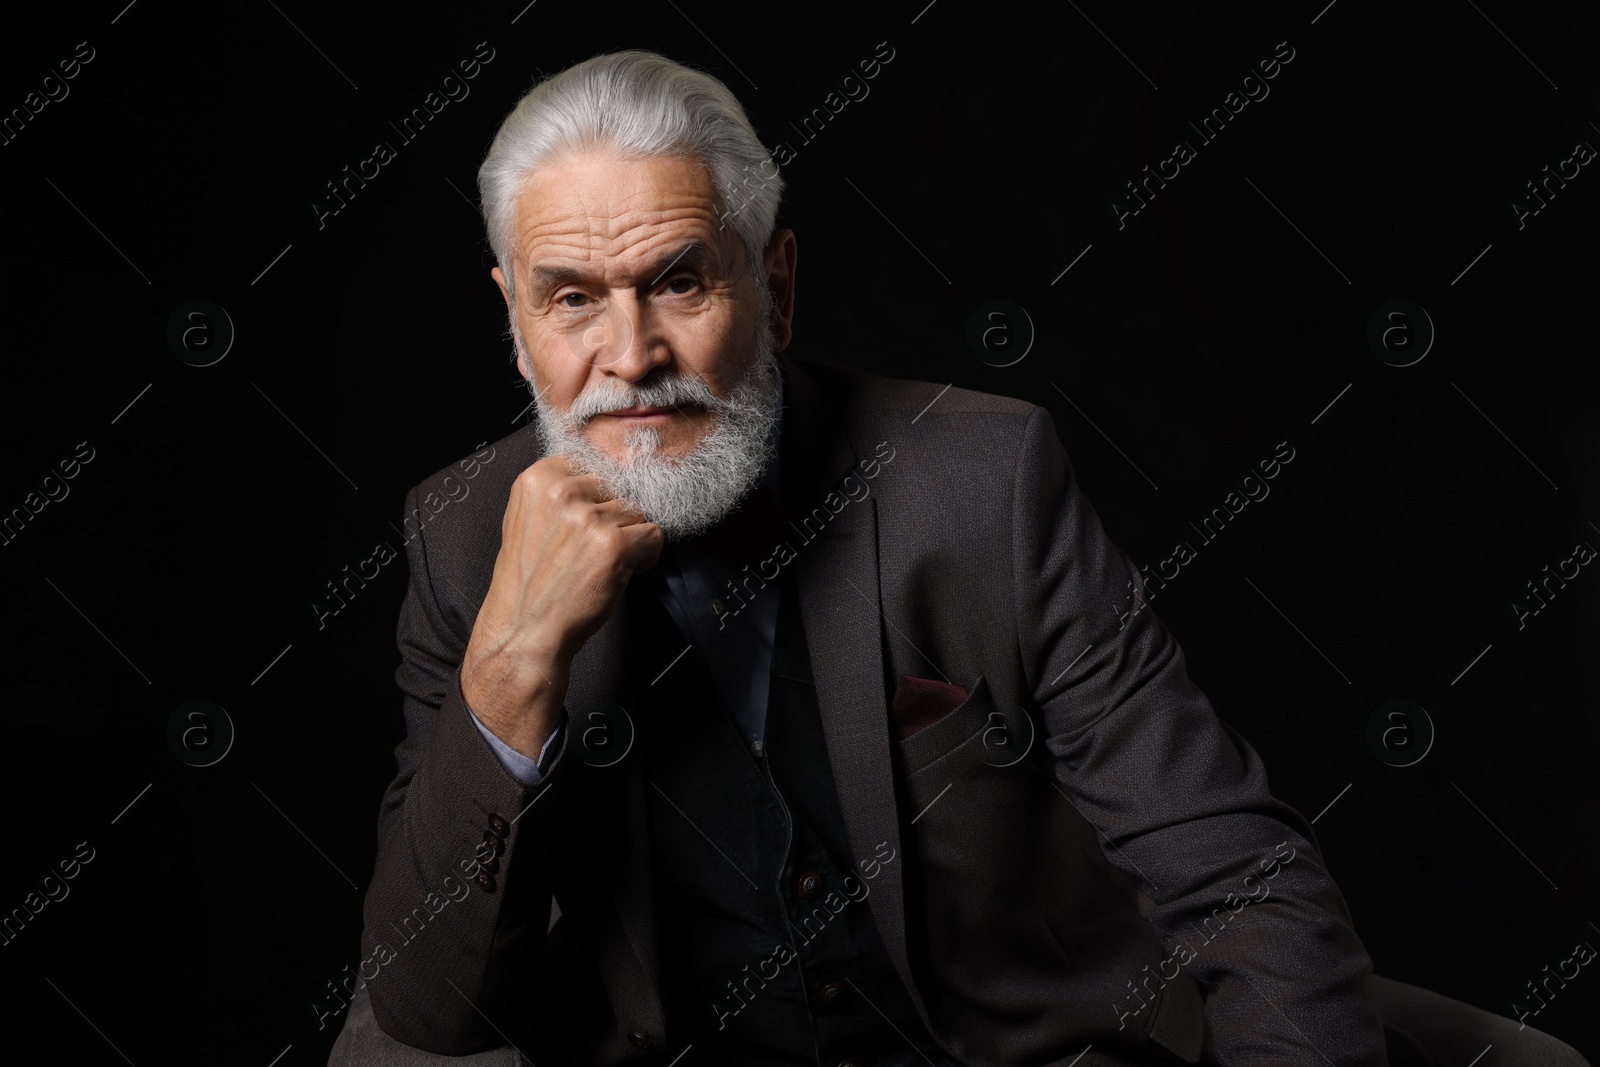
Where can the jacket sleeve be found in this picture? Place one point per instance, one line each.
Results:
(449, 916)
(1181, 801)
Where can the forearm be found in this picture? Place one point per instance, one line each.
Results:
(1271, 941)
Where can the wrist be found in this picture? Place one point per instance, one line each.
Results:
(516, 698)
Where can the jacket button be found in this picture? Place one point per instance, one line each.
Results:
(485, 879)
(809, 885)
(830, 992)
(492, 865)
(640, 1042)
(496, 842)
(499, 825)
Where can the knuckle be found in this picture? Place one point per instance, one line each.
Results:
(559, 492)
(607, 539)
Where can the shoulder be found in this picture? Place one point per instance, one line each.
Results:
(866, 393)
(964, 435)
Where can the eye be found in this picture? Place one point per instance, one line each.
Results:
(682, 285)
(573, 300)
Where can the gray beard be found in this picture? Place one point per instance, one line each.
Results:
(687, 495)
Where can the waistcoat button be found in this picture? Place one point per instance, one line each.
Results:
(830, 992)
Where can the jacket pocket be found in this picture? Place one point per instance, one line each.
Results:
(964, 725)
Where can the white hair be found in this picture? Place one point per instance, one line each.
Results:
(642, 105)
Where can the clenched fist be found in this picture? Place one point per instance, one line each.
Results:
(567, 552)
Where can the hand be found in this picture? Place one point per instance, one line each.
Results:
(566, 554)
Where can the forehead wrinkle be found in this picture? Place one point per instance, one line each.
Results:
(577, 221)
(631, 250)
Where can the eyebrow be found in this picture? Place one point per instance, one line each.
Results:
(695, 254)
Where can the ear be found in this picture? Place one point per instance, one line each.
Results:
(505, 294)
(500, 280)
(779, 265)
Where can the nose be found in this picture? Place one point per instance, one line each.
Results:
(621, 339)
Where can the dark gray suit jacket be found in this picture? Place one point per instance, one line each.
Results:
(1083, 854)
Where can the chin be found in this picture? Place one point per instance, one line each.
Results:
(646, 441)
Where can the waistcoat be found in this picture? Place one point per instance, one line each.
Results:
(769, 951)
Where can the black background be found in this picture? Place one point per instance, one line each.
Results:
(1223, 318)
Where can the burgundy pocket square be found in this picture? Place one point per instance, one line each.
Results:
(920, 702)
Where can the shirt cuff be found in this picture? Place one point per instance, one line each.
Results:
(527, 771)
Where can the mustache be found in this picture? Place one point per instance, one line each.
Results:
(669, 390)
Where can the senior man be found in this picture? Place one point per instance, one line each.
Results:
(806, 694)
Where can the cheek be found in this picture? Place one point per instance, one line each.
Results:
(738, 342)
(558, 363)
(711, 345)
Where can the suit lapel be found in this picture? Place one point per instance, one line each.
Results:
(836, 576)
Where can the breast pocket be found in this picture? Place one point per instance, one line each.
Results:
(963, 727)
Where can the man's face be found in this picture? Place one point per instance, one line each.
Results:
(647, 336)
(623, 277)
